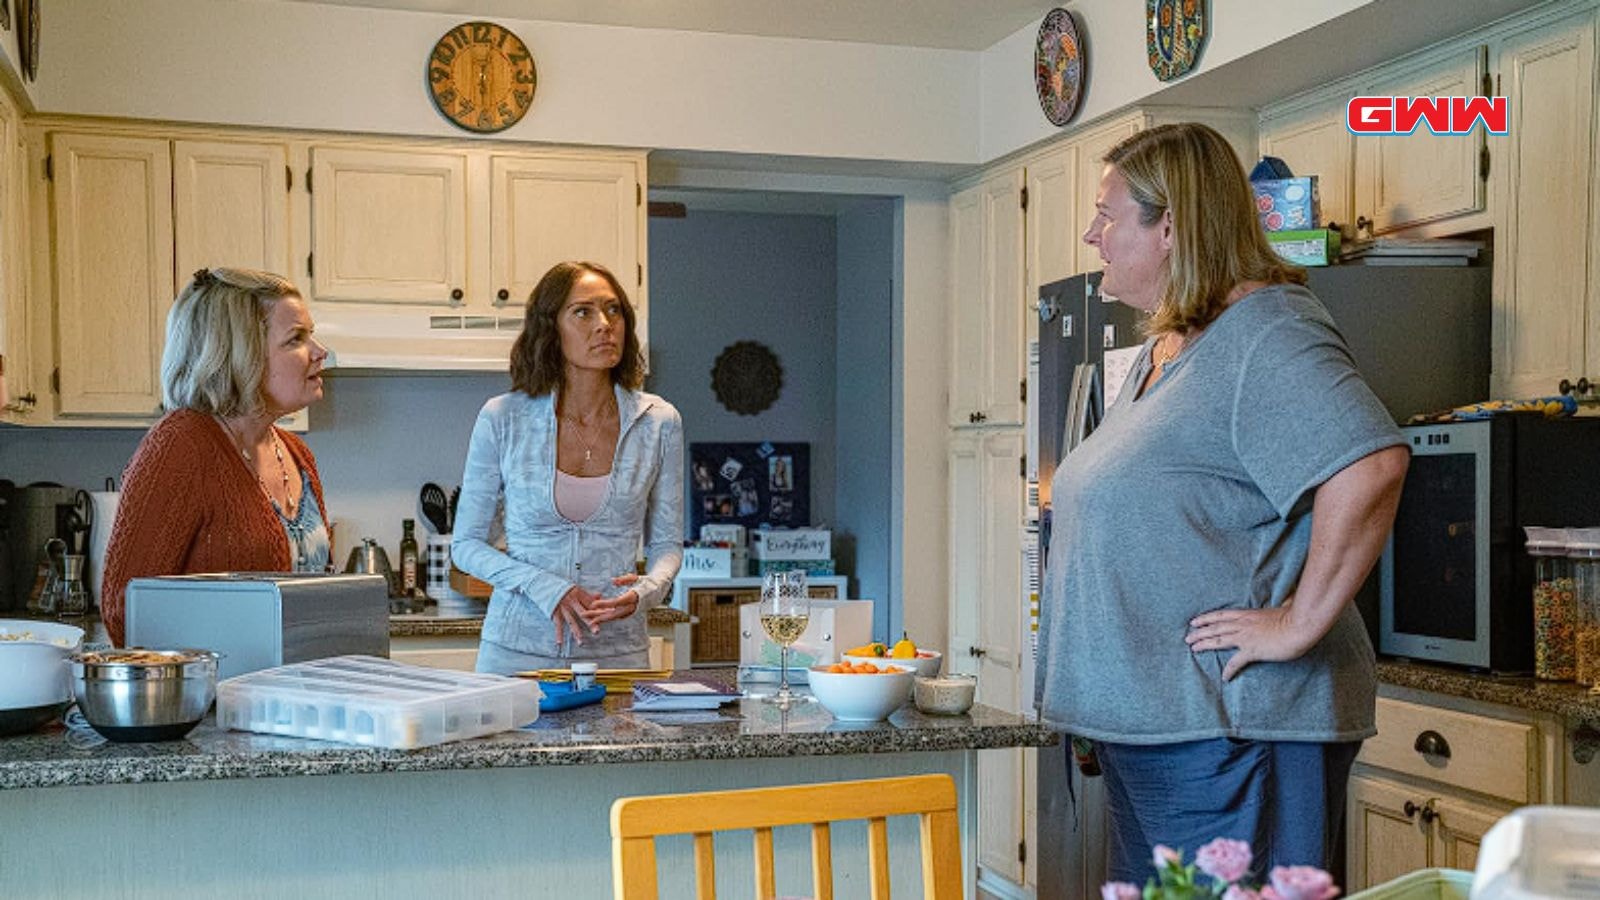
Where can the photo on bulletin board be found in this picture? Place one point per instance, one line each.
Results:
(749, 485)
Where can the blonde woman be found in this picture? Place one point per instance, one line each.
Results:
(214, 485)
(589, 468)
(1211, 534)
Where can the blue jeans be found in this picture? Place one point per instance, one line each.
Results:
(1285, 798)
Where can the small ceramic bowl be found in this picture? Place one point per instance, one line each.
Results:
(926, 663)
(951, 695)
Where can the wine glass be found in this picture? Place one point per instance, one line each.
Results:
(785, 612)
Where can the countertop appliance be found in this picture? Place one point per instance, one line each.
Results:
(1419, 335)
(35, 514)
(258, 620)
(1456, 584)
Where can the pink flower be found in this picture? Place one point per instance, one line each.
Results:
(1224, 859)
(1119, 890)
(1162, 856)
(1301, 883)
(1236, 892)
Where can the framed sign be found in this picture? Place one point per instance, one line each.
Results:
(749, 485)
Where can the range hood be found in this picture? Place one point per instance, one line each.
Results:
(374, 336)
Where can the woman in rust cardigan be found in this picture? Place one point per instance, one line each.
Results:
(215, 486)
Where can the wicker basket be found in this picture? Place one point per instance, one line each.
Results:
(715, 637)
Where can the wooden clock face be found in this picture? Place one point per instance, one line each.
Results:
(481, 77)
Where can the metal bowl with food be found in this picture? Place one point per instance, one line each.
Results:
(144, 695)
(35, 687)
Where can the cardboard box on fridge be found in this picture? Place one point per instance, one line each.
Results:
(1287, 204)
(1313, 247)
(714, 562)
(722, 533)
(791, 543)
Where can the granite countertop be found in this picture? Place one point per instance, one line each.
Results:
(1575, 702)
(608, 733)
(436, 625)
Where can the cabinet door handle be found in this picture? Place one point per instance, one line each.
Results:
(979, 417)
(456, 295)
(502, 296)
(1567, 387)
(1429, 814)
(1410, 809)
(1432, 743)
(1364, 224)
(977, 651)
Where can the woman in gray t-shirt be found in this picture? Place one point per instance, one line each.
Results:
(1210, 536)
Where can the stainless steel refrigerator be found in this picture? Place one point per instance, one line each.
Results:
(1420, 336)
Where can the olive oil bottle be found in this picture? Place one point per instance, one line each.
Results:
(408, 558)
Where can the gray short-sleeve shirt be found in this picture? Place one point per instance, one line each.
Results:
(1197, 496)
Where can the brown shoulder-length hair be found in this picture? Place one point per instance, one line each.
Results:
(1217, 242)
(537, 366)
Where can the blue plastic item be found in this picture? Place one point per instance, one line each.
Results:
(1270, 167)
(559, 695)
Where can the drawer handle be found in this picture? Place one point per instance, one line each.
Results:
(1432, 743)
(1429, 814)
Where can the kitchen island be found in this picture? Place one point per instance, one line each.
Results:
(520, 814)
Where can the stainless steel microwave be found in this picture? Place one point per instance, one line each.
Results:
(1455, 583)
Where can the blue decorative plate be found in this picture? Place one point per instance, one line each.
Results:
(1174, 34)
(1059, 67)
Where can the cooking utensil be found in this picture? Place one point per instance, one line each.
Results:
(435, 508)
(35, 686)
(455, 501)
(144, 695)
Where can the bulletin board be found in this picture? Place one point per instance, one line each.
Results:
(749, 485)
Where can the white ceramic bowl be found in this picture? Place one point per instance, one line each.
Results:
(33, 662)
(861, 698)
(951, 695)
(926, 664)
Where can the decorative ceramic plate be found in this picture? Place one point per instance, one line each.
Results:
(1175, 32)
(1059, 66)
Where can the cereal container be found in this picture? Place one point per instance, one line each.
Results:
(1555, 607)
(1583, 548)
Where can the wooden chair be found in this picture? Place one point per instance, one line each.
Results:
(637, 821)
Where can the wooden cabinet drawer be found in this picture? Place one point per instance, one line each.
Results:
(1487, 755)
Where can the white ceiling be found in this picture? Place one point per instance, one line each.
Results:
(950, 24)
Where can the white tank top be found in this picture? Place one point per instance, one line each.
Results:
(577, 497)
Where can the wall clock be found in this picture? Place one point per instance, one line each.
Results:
(481, 77)
(1059, 66)
(746, 378)
(1175, 31)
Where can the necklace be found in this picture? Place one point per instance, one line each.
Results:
(1172, 354)
(286, 510)
(582, 431)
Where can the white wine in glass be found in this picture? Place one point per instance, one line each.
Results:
(785, 612)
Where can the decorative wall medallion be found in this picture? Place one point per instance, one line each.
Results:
(1059, 66)
(28, 39)
(5, 14)
(746, 378)
(481, 77)
(1175, 31)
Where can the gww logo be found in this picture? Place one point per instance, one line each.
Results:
(1442, 115)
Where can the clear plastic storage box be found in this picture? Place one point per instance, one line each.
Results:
(375, 702)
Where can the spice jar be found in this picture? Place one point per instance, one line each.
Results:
(1583, 548)
(1555, 605)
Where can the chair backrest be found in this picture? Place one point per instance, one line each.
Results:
(637, 821)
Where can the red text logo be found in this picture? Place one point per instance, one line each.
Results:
(1442, 115)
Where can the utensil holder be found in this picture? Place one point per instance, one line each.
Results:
(439, 572)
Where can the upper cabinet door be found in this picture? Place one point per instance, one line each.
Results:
(1545, 229)
(547, 210)
(1052, 199)
(1003, 264)
(1411, 179)
(968, 311)
(230, 206)
(389, 226)
(1317, 142)
(113, 271)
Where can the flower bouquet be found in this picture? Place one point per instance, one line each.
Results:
(1224, 863)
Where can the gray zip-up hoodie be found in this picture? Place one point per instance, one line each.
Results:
(512, 458)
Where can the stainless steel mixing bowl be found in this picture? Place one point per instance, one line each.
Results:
(144, 695)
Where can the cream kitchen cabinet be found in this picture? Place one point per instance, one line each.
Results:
(1381, 184)
(133, 216)
(21, 397)
(1547, 272)
(987, 305)
(467, 229)
(1397, 828)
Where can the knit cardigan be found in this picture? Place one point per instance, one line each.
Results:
(189, 506)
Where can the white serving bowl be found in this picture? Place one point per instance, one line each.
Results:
(861, 698)
(926, 664)
(33, 662)
(951, 695)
